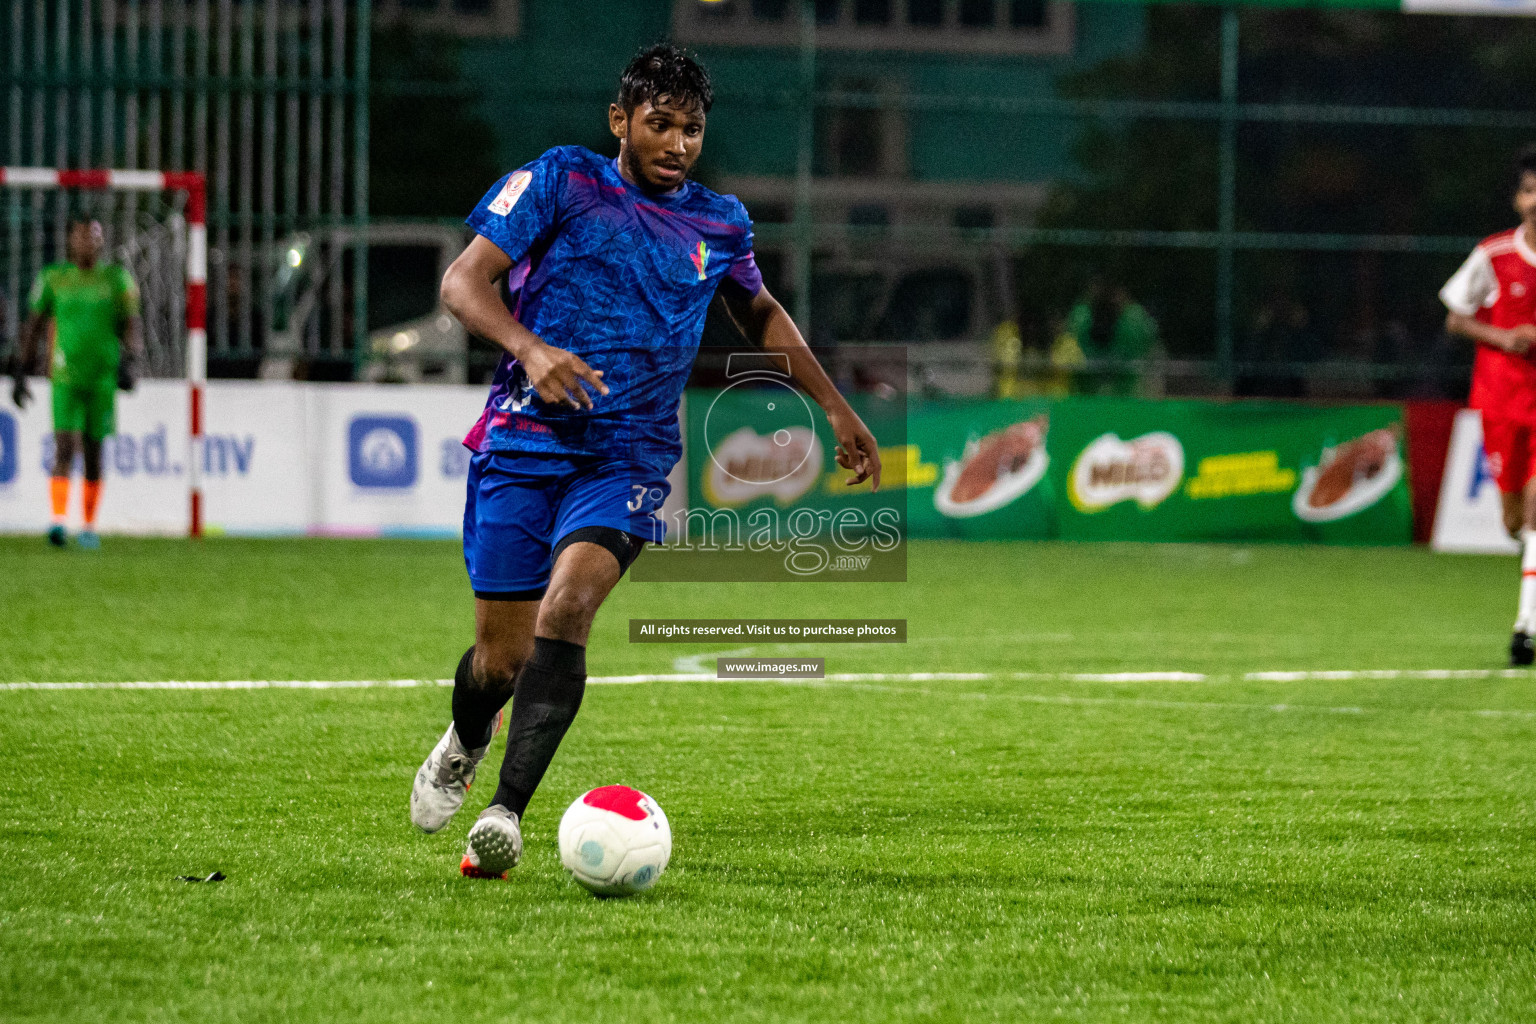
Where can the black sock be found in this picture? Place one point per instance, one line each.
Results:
(548, 695)
(474, 706)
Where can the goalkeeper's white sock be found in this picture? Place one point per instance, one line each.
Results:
(1526, 621)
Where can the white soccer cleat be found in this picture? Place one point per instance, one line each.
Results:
(443, 779)
(495, 844)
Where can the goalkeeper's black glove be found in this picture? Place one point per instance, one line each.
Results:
(21, 394)
(125, 376)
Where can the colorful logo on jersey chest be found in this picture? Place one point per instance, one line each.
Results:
(700, 257)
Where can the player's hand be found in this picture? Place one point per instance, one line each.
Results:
(1520, 339)
(21, 394)
(557, 375)
(126, 378)
(856, 447)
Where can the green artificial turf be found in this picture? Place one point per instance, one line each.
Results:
(1011, 849)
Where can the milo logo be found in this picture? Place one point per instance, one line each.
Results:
(745, 465)
(1146, 469)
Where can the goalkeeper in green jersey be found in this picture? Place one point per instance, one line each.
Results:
(93, 309)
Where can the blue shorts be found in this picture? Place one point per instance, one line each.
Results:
(520, 506)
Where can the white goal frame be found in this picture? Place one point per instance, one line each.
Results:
(195, 186)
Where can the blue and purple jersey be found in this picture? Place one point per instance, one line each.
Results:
(622, 279)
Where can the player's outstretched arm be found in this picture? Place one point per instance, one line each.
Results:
(471, 291)
(766, 324)
(1514, 339)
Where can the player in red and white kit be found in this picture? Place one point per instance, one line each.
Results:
(1492, 301)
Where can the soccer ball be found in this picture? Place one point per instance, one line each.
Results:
(615, 841)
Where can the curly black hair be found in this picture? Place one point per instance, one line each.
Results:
(1525, 163)
(665, 71)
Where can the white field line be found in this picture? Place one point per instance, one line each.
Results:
(236, 684)
(1343, 675)
(869, 682)
(1346, 675)
(695, 663)
(665, 677)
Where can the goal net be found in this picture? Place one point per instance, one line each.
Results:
(144, 231)
(154, 225)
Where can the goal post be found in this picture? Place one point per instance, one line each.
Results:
(193, 185)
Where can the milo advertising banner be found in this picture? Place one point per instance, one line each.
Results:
(991, 470)
(767, 500)
(1136, 470)
(1088, 469)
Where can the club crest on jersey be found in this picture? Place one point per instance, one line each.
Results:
(700, 257)
(511, 192)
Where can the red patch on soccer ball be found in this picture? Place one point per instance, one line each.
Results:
(621, 800)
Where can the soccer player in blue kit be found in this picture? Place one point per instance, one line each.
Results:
(609, 267)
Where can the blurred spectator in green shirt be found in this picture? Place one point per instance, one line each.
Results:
(1109, 325)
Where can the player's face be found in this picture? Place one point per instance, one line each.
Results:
(1525, 198)
(658, 143)
(85, 242)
